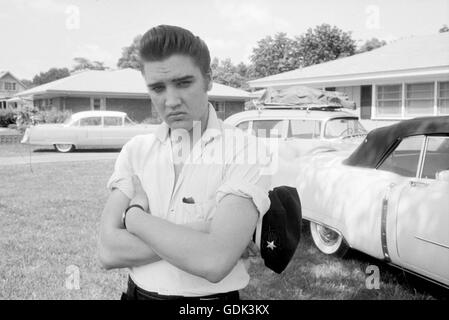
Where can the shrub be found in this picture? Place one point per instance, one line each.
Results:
(52, 116)
(7, 117)
(29, 115)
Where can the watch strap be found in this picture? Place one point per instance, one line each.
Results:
(126, 211)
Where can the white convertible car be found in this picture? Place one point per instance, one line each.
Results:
(87, 129)
(389, 198)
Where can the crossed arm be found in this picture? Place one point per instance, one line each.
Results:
(206, 251)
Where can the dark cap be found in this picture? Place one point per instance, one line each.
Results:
(281, 228)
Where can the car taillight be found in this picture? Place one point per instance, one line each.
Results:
(26, 136)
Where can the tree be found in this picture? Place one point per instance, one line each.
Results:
(130, 55)
(225, 72)
(50, 75)
(324, 43)
(369, 45)
(274, 55)
(444, 28)
(27, 83)
(84, 63)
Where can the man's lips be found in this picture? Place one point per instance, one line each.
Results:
(176, 115)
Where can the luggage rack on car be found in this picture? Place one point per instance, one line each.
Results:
(307, 107)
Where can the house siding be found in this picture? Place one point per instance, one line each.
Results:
(137, 109)
(8, 94)
(226, 108)
(75, 104)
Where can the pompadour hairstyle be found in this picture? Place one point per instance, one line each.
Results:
(163, 41)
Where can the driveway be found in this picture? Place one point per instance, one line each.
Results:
(57, 157)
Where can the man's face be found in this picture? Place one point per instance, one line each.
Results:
(178, 90)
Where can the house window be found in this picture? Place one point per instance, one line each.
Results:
(96, 104)
(443, 97)
(220, 107)
(389, 100)
(419, 98)
(10, 86)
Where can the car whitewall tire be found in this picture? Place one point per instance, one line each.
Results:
(328, 241)
(64, 147)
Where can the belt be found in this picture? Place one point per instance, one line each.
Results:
(134, 292)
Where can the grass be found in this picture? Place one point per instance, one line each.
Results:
(50, 218)
(23, 150)
(27, 151)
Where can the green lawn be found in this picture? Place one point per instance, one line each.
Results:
(50, 217)
(23, 150)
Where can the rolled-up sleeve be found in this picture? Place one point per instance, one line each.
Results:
(121, 178)
(247, 180)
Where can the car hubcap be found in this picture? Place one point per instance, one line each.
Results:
(328, 236)
(64, 147)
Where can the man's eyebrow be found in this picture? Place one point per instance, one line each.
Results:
(185, 78)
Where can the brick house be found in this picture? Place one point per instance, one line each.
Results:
(9, 86)
(118, 90)
(401, 80)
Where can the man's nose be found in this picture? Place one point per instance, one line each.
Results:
(172, 98)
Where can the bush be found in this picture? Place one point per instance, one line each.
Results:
(29, 116)
(7, 117)
(51, 116)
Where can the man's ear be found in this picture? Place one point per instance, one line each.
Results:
(208, 79)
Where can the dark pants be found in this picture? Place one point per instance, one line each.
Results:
(136, 293)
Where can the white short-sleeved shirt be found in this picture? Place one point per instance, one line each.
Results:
(223, 161)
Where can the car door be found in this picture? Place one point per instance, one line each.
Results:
(93, 126)
(423, 213)
(114, 133)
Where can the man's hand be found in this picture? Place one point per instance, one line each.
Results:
(140, 197)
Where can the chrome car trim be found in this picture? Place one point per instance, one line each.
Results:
(422, 157)
(432, 242)
(383, 225)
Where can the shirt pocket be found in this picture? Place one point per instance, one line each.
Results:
(201, 211)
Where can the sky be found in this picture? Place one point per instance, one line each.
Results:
(37, 35)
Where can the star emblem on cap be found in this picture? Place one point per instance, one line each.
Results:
(271, 245)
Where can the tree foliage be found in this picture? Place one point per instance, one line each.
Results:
(50, 75)
(130, 55)
(369, 45)
(85, 64)
(324, 43)
(274, 55)
(280, 53)
(225, 72)
(27, 83)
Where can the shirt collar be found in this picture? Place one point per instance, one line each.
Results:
(213, 128)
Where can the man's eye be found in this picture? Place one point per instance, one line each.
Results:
(157, 89)
(184, 84)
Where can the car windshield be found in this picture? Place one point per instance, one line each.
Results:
(344, 127)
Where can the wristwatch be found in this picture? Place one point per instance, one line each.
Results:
(126, 211)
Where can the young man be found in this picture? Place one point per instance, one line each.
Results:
(188, 219)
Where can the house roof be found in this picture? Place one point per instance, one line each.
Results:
(122, 82)
(414, 55)
(4, 73)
